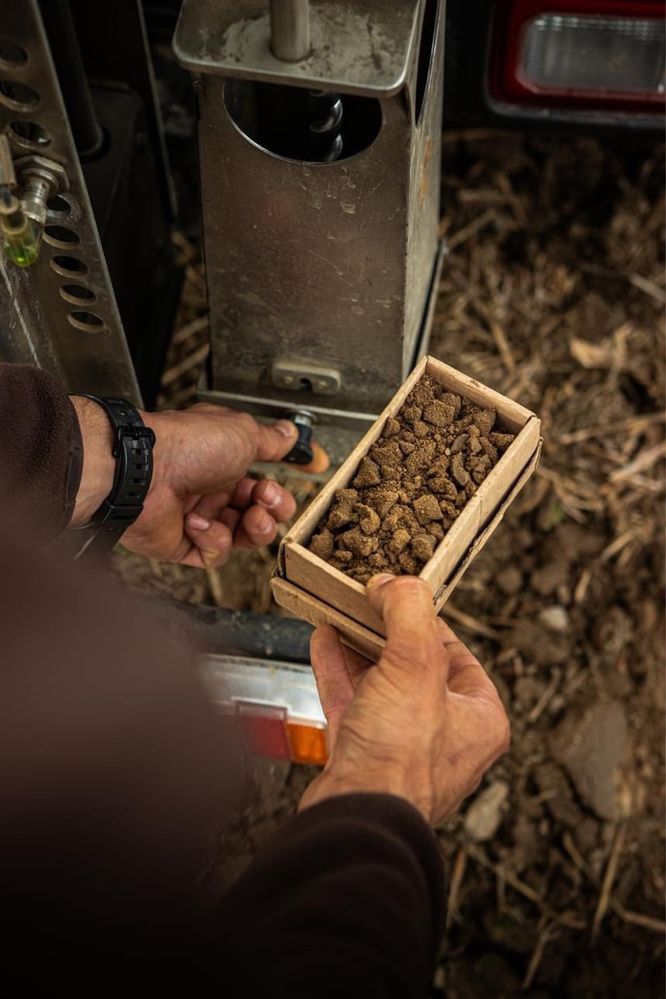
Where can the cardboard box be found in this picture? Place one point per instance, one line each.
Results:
(312, 589)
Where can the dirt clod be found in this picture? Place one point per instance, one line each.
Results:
(411, 486)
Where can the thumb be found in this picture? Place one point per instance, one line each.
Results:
(274, 442)
(406, 606)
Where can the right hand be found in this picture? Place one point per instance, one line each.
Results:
(424, 723)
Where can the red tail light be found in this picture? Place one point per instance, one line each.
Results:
(579, 53)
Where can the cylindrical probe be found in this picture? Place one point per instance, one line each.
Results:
(290, 29)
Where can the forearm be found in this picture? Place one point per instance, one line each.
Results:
(356, 885)
(41, 449)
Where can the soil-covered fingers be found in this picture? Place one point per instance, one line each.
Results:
(406, 606)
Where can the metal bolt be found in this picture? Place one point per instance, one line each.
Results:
(40, 178)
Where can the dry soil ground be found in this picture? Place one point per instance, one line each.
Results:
(553, 292)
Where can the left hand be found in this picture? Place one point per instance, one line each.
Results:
(201, 503)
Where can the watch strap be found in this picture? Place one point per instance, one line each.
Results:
(133, 450)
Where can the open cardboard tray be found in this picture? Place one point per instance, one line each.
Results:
(312, 589)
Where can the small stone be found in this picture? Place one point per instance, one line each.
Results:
(421, 429)
(439, 414)
(510, 580)
(383, 499)
(555, 619)
(399, 541)
(340, 516)
(346, 495)
(459, 443)
(412, 414)
(458, 470)
(368, 474)
(501, 441)
(408, 564)
(550, 577)
(391, 427)
(368, 519)
(358, 543)
(427, 508)
(407, 447)
(386, 453)
(594, 749)
(484, 419)
(436, 530)
(484, 815)
(322, 544)
(423, 545)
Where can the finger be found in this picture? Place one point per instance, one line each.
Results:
(211, 505)
(278, 501)
(241, 497)
(256, 528)
(405, 604)
(213, 541)
(334, 684)
(274, 442)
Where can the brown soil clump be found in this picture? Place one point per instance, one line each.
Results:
(410, 487)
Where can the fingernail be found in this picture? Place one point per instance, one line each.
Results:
(209, 557)
(271, 495)
(263, 523)
(286, 428)
(381, 580)
(197, 522)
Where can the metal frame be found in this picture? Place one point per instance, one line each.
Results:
(78, 336)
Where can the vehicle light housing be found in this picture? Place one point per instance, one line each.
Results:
(590, 53)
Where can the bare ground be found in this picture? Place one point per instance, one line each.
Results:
(553, 292)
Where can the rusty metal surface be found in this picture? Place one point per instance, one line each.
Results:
(77, 336)
(361, 47)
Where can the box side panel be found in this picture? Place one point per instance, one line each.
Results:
(480, 507)
(308, 608)
(332, 586)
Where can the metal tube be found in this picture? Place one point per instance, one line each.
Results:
(290, 29)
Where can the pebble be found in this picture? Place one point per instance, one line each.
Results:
(593, 749)
(555, 619)
(484, 815)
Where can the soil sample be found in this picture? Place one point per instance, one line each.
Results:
(410, 487)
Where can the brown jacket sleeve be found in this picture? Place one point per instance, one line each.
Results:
(41, 452)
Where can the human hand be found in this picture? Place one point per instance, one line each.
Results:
(201, 503)
(424, 723)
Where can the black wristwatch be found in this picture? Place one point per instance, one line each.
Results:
(133, 451)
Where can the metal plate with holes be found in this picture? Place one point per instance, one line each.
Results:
(364, 50)
(61, 312)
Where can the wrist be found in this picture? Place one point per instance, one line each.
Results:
(99, 463)
(393, 780)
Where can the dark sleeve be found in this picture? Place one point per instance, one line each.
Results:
(41, 452)
(346, 901)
